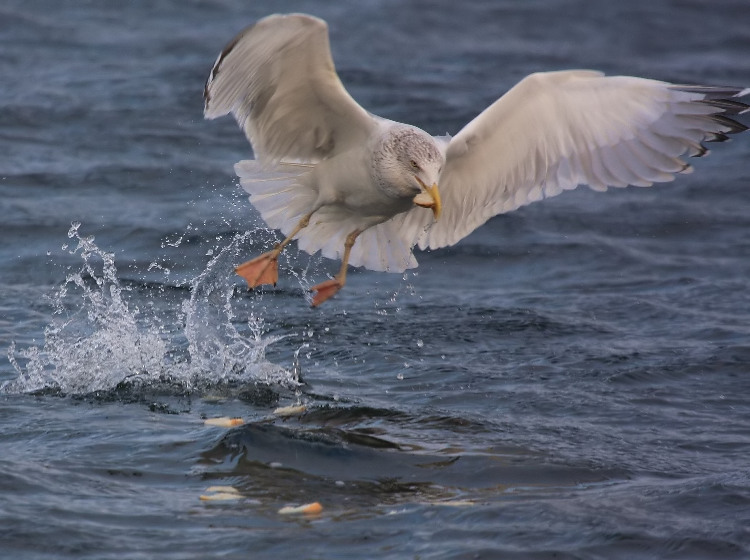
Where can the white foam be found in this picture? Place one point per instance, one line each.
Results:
(98, 338)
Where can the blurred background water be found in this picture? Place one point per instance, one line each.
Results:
(570, 381)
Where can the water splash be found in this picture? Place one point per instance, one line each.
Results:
(215, 345)
(100, 338)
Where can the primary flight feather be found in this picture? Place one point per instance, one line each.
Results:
(366, 190)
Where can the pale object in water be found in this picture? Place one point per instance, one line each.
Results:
(308, 509)
(223, 422)
(290, 410)
(221, 493)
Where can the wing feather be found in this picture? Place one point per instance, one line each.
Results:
(557, 130)
(278, 80)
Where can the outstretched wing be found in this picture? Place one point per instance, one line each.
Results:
(278, 80)
(554, 131)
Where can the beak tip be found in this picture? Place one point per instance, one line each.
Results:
(430, 198)
(437, 208)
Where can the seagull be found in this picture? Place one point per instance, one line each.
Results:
(364, 189)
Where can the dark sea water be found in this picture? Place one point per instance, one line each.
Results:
(570, 381)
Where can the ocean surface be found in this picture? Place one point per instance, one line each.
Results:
(570, 381)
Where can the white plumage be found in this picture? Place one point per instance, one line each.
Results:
(319, 152)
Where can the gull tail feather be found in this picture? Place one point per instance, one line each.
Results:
(380, 248)
(280, 194)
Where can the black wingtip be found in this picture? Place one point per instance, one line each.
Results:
(728, 106)
(219, 60)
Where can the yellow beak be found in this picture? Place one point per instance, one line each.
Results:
(429, 198)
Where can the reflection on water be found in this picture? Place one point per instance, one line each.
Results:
(351, 471)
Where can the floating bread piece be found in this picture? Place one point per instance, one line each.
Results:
(312, 508)
(290, 410)
(220, 496)
(227, 489)
(219, 493)
(223, 422)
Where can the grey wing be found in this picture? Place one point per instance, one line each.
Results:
(278, 80)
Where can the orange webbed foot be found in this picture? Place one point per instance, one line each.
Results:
(325, 291)
(261, 270)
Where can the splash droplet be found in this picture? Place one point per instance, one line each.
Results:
(99, 337)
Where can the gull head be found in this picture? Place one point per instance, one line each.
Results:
(407, 164)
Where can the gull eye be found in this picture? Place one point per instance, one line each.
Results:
(415, 165)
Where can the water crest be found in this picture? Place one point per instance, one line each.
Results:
(104, 333)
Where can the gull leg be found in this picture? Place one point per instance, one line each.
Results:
(329, 288)
(265, 268)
